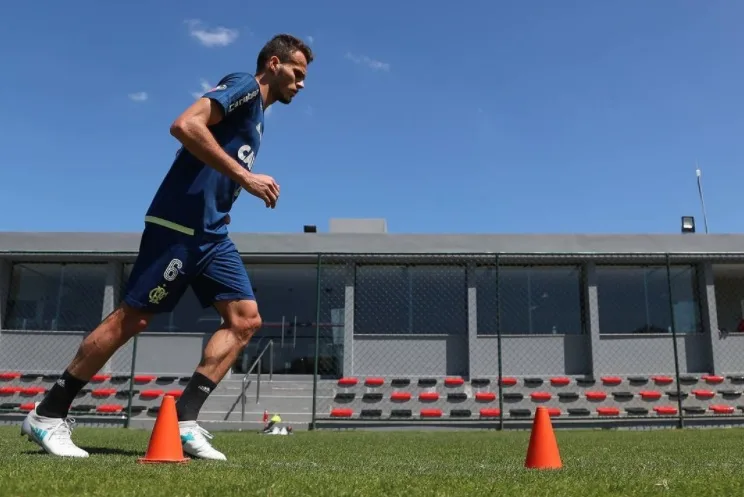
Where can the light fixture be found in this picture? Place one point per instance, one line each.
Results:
(310, 228)
(688, 224)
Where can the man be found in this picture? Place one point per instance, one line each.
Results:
(185, 242)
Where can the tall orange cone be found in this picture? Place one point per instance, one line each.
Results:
(165, 440)
(542, 452)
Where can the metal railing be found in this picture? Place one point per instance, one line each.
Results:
(256, 362)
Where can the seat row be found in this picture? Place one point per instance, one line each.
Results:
(555, 381)
(339, 412)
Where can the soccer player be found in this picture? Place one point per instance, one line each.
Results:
(185, 242)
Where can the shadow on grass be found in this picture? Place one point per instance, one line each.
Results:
(95, 451)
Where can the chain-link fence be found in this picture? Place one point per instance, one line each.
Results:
(479, 338)
(491, 338)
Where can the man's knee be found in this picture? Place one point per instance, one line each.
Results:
(241, 317)
(129, 320)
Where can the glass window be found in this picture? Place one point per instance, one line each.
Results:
(534, 300)
(410, 300)
(56, 297)
(287, 296)
(635, 299)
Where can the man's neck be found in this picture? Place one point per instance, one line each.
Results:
(264, 89)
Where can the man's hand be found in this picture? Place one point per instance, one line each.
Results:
(263, 187)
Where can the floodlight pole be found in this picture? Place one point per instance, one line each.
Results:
(700, 195)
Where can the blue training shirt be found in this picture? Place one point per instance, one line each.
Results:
(194, 198)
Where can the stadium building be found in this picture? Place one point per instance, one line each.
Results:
(477, 329)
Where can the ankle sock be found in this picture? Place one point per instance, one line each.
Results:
(193, 397)
(57, 402)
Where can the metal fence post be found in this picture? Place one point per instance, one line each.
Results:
(317, 341)
(680, 423)
(131, 382)
(498, 345)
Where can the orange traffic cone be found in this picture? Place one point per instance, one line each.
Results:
(165, 440)
(543, 449)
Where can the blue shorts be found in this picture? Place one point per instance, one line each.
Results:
(169, 261)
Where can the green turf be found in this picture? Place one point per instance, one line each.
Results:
(596, 463)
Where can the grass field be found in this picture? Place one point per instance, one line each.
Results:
(406, 463)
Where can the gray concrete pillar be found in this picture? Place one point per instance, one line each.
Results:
(591, 316)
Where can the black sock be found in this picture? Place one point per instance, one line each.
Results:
(57, 402)
(193, 397)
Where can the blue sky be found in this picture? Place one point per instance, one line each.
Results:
(487, 117)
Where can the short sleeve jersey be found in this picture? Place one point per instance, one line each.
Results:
(195, 198)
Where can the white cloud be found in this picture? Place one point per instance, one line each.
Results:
(139, 96)
(311, 39)
(219, 36)
(205, 86)
(373, 64)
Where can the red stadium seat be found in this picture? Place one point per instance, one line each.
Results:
(611, 380)
(490, 412)
(10, 375)
(431, 413)
(348, 382)
(596, 395)
(428, 396)
(508, 381)
(32, 390)
(374, 382)
(650, 395)
(662, 380)
(340, 412)
(99, 378)
(29, 406)
(713, 379)
(608, 411)
(485, 396)
(144, 378)
(174, 393)
(540, 396)
(150, 394)
(665, 410)
(703, 394)
(400, 396)
(721, 409)
(10, 390)
(109, 408)
(103, 392)
(453, 382)
(554, 412)
(560, 381)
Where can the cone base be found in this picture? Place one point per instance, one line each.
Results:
(144, 460)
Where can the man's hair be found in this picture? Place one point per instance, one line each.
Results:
(283, 46)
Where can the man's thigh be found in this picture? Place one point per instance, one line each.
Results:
(223, 277)
(166, 264)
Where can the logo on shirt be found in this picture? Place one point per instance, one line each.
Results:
(246, 156)
(157, 294)
(218, 88)
(242, 100)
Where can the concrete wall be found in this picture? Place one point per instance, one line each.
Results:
(639, 354)
(532, 355)
(409, 355)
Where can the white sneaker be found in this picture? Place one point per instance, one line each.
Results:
(195, 440)
(52, 434)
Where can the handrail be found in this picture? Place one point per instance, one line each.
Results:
(257, 362)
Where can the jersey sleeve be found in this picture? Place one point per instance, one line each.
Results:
(235, 92)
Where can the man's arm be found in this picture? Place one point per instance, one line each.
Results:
(191, 128)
